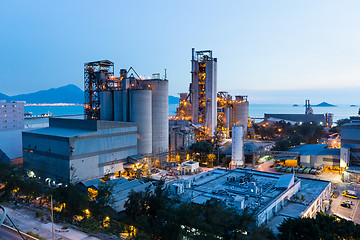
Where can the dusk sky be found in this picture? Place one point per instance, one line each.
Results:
(273, 51)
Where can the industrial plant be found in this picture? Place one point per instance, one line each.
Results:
(212, 113)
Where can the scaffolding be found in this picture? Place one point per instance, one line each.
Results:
(98, 76)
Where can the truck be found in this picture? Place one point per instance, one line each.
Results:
(350, 194)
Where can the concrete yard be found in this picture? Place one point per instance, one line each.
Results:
(24, 218)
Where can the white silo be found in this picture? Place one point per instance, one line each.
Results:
(241, 112)
(106, 106)
(160, 113)
(237, 157)
(140, 109)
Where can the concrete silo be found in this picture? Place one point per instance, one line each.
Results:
(118, 105)
(237, 157)
(160, 113)
(106, 106)
(140, 111)
(240, 112)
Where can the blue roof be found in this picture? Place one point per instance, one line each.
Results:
(315, 149)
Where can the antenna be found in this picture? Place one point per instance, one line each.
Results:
(165, 74)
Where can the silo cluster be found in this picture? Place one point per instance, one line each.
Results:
(129, 99)
(144, 102)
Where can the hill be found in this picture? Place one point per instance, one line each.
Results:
(66, 94)
(324, 104)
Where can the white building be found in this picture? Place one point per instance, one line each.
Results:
(271, 197)
(11, 126)
(11, 115)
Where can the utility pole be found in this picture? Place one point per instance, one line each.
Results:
(52, 218)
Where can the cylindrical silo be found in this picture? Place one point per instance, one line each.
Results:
(241, 114)
(160, 113)
(226, 117)
(106, 106)
(140, 113)
(237, 157)
(118, 101)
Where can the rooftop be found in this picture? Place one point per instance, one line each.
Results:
(315, 149)
(253, 189)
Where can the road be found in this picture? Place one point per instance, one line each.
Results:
(7, 234)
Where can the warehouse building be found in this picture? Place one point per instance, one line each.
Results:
(75, 150)
(318, 155)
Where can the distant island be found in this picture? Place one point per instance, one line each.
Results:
(295, 105)
(352, 105)
(324, 104)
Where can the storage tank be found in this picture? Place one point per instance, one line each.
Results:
(237, 157)
(118, 108)
(241, 113)
(140, 113)
(227, 117)
(106, 106)
(160, 113)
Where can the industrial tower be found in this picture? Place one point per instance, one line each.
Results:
(203, 90)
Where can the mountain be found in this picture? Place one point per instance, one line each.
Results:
(4, 97)
(173, 100)
(66, 94)
(324, 104)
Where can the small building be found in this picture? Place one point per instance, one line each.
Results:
(182, 135)
(76, 150)
(318, 155)
(11, 115)
(270, 197)
(121, 187)
(189, 167)
(11, 126)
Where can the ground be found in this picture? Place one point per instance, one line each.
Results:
(25, 219)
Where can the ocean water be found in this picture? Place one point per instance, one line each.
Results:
(255, 110)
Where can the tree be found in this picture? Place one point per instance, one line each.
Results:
(202, 148)
(321, 227)
(75, 200)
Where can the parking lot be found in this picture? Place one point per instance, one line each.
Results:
(352, 213)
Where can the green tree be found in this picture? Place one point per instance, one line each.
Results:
(75, 200)
(202, 148)
(321, 227)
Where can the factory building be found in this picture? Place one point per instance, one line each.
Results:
(182, 134)
(270, 197)
(129, 98)
(76, 150)
(350, 150)
(350, 139)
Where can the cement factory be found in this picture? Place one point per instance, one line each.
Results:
(126, 126)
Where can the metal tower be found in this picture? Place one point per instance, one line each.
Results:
(203, 90)
(97, 77)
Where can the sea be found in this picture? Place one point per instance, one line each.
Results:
(255, 110)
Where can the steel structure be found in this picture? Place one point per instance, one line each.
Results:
(97, 77)
(203, 91)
